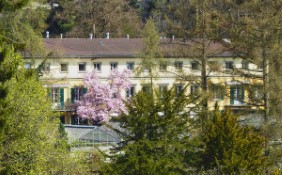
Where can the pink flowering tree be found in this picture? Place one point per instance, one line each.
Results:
(103, 99)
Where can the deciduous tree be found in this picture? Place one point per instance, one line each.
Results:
(102, 100)
(77, 19)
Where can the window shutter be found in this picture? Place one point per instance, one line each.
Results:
(72, 95)
(232, 89)
(84, 90)
(62, 100)
(242, 94)
(49, 93)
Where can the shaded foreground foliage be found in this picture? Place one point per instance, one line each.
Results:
(30, 140)
(161, 138)
(157, 136)
(231, 148)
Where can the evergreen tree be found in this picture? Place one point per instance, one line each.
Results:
(255, 31)
(157, 136)
(231, 148)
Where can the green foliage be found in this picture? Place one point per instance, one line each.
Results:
(23, 28)
(13, 5)
(151, 54)
(231, 148)
(157, 136)
(117, 17)
(30, 140)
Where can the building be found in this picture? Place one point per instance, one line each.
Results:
(70, 58)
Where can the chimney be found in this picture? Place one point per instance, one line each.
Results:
(47, 34)
(127, 36)
(91, 36)
(61, 36)
(107, 35)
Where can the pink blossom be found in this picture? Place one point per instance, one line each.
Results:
(101, 100)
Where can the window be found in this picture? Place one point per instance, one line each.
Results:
(229, 65)
(130, 92)
(162, 90)
(178, 65)
(114, 65)
(218, 91)
(256, 92)
(146, 68)
(97, 66)
(236, 94)
(195, 66)
(194, 90)
(178, 89)
(46, 67)
(77, 93)
(56, 95)
(147, 89)
(245, 64)
(81, 67)
(64, 67)
(130, 65)
(214, 66)
(27, 65)
(163, 67)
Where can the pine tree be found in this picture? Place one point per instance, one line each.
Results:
(230, 147)
(157, 136)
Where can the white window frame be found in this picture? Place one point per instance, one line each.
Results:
(55, 95)
(97, 66)
(178, 65)
(114, 65)
(84, 64)
(67, 67)
(163, 67)
(229, 65)
(195, 66)
(245, 64)
(27, 65)
(162, 89)
(130, 65)
(47, 67)
(130, 92)
(178, 88)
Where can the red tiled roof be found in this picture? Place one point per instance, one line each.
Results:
(123, 48)
(74, 47)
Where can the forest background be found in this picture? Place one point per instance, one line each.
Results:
(30, 142)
